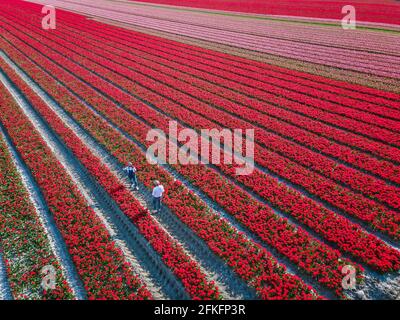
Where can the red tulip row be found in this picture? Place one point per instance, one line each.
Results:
(326, 267)
(251, 262)
(294, 243)
(389, 258)
(243, 81)
(23, 241)
(389, 225)
(354, 204)
(365, 209)
(171, 252)
(99, 263)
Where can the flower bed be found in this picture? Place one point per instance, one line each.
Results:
(99, 263)
(375, 214)
(257, 218)
(251, 262)
(333, 280)
(388, 10)
(170, 251)
(23, 240)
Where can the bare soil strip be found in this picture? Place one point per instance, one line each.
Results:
(5, 291)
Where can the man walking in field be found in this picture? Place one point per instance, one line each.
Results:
(157, 193)
(131, 171)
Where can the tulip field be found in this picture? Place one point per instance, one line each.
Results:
(317, 218)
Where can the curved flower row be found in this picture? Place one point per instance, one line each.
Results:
(251, 262)
(99, 263)
(356, 205)
(171, 252)
(327, 265)
(24, 243)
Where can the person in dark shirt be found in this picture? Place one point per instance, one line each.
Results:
(131, 171)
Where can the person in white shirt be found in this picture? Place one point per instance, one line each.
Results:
(131, 171)
(157, 193)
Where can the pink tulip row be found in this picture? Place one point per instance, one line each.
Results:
(369, 13)
(336, 57)
(99, 263)
(358, 39)
(251, 262)
(332, 37)
(263, 40)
